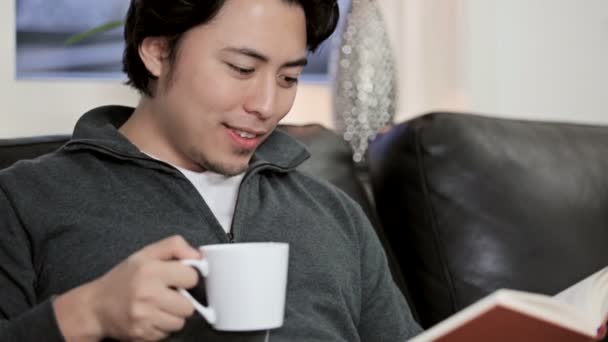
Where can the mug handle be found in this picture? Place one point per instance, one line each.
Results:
(202, 266)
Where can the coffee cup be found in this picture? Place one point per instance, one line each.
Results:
(245, 285)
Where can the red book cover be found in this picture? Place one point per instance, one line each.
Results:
(577, 314)
(501, 324)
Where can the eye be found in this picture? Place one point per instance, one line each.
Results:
(288, 82)
(241, 71)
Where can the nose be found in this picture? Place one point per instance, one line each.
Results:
(262, 96)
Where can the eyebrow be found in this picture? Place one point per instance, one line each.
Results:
(256, 55)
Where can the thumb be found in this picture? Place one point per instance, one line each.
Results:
(174, 247)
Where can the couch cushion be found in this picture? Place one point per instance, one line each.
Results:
(12, 150)
(471, 204)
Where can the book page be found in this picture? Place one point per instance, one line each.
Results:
(589, 296)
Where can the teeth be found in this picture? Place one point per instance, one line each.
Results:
(245, 135)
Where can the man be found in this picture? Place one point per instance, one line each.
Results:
(91, 235)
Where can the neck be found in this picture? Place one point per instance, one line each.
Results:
(145, 130)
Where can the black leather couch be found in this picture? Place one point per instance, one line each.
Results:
(471, 204)
(464, 204)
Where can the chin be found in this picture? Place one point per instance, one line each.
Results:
(229, 163)
(226, 168)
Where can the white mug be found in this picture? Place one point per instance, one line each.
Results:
(245, 283)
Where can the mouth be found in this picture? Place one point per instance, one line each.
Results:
(244, 134)
(245, 138)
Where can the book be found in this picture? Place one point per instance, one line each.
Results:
(578, 313)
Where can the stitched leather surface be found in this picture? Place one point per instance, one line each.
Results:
(471, 204)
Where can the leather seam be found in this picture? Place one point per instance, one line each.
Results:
(431, 212)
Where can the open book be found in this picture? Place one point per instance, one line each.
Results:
(575, 314)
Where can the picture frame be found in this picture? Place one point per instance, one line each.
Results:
(43, 29)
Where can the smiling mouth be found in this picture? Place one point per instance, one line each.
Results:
(244, 135)
(244, 138)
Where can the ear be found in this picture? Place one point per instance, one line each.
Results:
(153, 51)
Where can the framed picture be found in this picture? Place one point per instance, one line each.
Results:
(43, 27)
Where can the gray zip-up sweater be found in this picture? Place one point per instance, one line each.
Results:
(68, 217)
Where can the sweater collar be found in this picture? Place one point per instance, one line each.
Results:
(98, 128)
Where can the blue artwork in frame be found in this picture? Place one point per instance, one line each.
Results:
(44, 26)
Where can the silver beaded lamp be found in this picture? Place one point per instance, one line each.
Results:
(364, 77)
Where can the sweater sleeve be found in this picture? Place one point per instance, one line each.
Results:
(385, 314)
(22, 317)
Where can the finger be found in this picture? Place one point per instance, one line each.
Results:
(153, 334)
(147, 332)
(168, 323)
(176, 274)
(174, 247)
(174, 303)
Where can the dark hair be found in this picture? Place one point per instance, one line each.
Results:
(171, 19)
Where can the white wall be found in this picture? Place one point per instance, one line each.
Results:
(430, 43)
(548, 58)
(537, 59)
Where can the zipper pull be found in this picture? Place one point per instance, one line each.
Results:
(230, 237)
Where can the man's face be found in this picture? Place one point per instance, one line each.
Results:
(233, 79)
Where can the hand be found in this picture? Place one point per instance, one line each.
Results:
(135, 300)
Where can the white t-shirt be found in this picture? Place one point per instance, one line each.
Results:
(219, 192)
